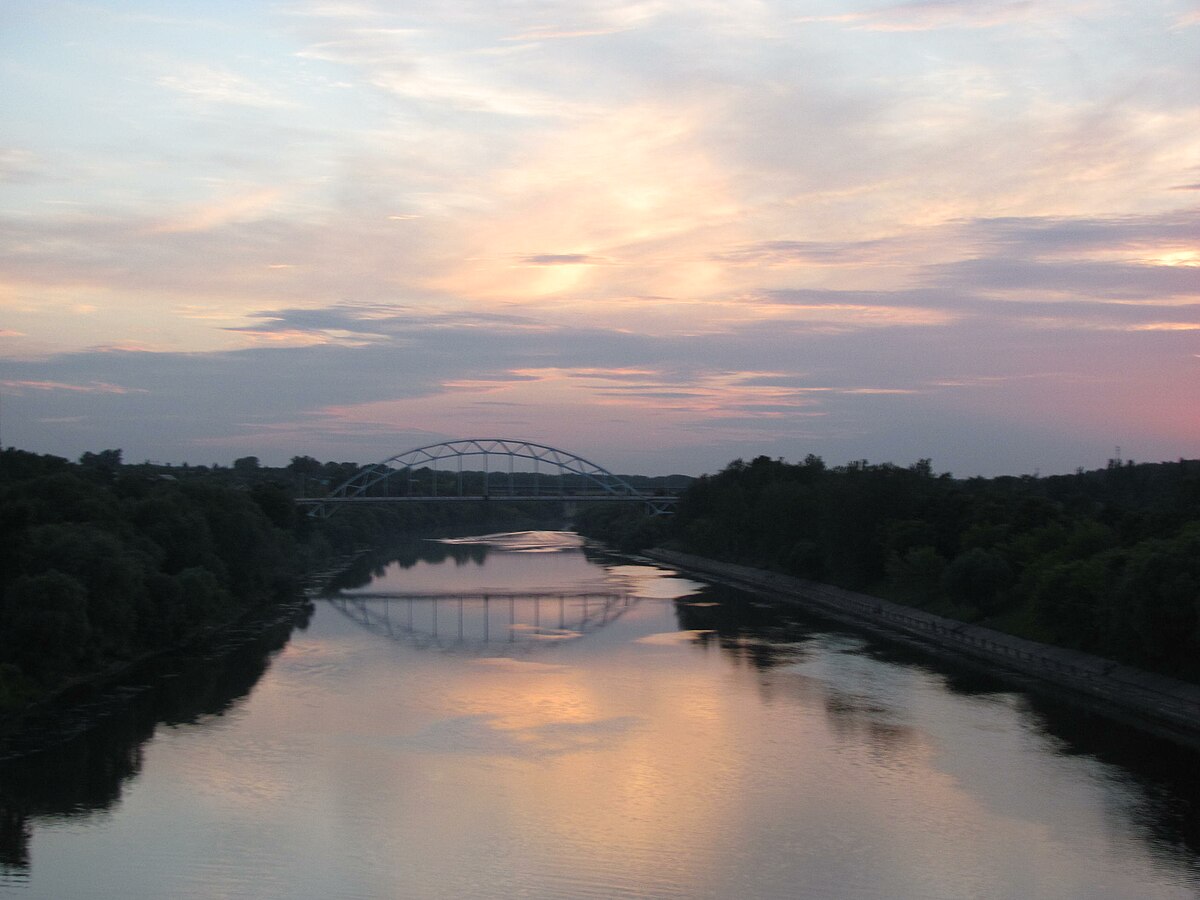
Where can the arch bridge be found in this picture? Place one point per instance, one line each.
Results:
(546, 474)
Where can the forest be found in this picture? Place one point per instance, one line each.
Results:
(1104, 561)
(102, 562)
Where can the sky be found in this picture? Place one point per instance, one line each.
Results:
(660, 235)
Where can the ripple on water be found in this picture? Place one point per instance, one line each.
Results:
(523, 541)
(672, 638)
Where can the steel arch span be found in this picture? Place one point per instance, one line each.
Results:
(371, 483)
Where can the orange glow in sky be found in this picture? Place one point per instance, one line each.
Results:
(345, 230)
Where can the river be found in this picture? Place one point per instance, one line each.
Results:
(518, 716)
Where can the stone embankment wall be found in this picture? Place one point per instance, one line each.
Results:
(1163, 705)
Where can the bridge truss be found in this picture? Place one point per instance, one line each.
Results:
(570, 478)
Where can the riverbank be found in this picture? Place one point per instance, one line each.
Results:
(1163, 706)
(86, 701)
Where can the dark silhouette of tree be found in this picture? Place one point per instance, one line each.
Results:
(246, 465)
(1104, 561)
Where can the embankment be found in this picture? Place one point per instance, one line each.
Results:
(1164, 706)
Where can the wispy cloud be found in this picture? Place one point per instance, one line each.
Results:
(405, 62)
(929, 15)
(19, 165)
(562, 259)
(1188, 19)
(239, 207)
(94, 387)
(208, 84)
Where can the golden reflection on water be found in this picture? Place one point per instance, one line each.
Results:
(623, 771)
(673, 638)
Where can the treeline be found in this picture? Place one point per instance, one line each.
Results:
(1106, 561)
(101, 562)
(99, 566)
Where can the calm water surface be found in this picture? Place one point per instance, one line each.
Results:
(513, 717)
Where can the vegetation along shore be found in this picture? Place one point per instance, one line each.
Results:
(105, 562)
(1103, 565)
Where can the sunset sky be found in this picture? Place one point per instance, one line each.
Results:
(658, 234)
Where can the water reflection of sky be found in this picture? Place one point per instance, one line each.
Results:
(511, 563)
(487, 596)
(687, 750)
(506, 572)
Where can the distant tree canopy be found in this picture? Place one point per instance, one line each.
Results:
(106, 461)
(246, 464)
(305, 465)
(99, 565)
(1106, 561)
(102, 562)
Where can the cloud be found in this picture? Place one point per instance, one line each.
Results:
(562, 259)
(209, 84)
(851, 310)
(19, 166)
(712, 228)
(1051, 235)
(278, 402)
(93, 387)
(551, 33)
(386, 321)
(1083, 279)
(1188, 19)
(1167, 326)
(931, 15)
(242, 206)
(823, 253)
(429, 66)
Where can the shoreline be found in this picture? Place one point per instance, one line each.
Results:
(78, 691)
(83, 703)
(1163, 706)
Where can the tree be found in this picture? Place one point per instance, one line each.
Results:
(305, 465)
(247, 465)
(110, 570)
(1158, 601)
(276, 504)
(1068, 600)
(917, 573)
(304, 468)
(47, 621)
(105, 460)
(978, 578)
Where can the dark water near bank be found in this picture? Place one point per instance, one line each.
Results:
(518, 718)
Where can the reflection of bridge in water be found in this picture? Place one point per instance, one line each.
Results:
(483, 622)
